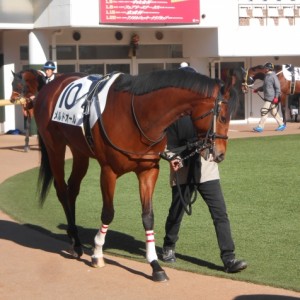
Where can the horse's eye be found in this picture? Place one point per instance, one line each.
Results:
(222, 119)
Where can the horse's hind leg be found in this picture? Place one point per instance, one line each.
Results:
(57, 161)
(147, 180)
(108, 184)
(79, 169)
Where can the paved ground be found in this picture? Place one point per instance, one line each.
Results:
(34, 266)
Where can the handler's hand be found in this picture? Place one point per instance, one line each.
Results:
(176, 164)
(275, 100)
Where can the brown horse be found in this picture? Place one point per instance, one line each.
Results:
(25, 85)
(288, 87)
(128, 136)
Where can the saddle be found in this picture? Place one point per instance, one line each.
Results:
(98, 83)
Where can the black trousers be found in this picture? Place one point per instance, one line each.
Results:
(211, 193)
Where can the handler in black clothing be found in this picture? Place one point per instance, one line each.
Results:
(204, 175)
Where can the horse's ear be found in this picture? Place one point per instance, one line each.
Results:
(14, 74)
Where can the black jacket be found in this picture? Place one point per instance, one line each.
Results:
(179, 134)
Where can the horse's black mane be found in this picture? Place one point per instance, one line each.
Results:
(147, 83)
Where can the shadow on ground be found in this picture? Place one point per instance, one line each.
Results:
(22, 235)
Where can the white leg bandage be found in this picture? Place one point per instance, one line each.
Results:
(99, 241)
(150, 246)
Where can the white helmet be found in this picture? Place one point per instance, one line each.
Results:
(184, 64)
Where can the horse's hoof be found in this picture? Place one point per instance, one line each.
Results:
(98, 262)
(26, 149)
(72, 253)
(78, 250)
(160, 276)
(75, 252)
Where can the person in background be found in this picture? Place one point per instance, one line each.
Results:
(49, 68)
(186, 67)
(271, 90)
(203, 175)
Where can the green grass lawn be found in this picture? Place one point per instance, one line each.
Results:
(260, 179)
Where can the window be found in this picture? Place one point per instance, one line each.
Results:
(159, 51)
(150, 67)
(65, 68)
(66, 52)
(24, 53)
(103, 52)
(92, 68)
(124, 68)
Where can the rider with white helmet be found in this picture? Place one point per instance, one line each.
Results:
(49, 68)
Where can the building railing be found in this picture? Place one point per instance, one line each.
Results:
(269, 14)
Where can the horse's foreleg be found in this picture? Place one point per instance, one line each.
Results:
(147, 180)
(108, 183)
(97, 258)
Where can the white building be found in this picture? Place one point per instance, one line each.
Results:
(212, 35)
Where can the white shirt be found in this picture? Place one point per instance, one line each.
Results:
(50, 78)
(209, 171)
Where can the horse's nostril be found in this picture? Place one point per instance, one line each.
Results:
(220, 158)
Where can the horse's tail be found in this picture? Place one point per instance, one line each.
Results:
(45, 178)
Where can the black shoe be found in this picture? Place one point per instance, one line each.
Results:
(235, 265)
(168, 255)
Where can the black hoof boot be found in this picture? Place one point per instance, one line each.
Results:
(78, 250)
(75, 251)
(158, 274)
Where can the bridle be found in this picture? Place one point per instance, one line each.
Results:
(208, 142)
(205, 143)
(19, 97)
(23, 96)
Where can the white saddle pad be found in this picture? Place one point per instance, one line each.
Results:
(69, 107)
(286, 69)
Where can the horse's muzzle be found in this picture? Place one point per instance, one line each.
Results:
(219, 158)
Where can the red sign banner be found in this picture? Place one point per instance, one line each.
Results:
(150, 11)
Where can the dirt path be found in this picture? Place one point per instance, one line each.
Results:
(34, 266)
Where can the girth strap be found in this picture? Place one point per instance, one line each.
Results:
(97, 85)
